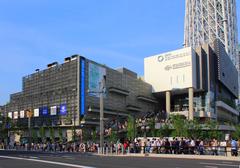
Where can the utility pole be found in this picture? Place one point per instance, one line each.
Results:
(102, 91)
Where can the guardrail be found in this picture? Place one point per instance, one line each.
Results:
(205, 150)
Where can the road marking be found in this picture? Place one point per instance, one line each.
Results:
(218, 164)
(211, 166)
(45, 161)
(227, 162)
(32, 157)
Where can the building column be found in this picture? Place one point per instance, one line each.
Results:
(168, 103)
(190, 104)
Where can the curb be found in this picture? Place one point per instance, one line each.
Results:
(170, 156)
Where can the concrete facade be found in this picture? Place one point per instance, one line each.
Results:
(61, 84)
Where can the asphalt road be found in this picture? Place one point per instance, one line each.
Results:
(17, 159)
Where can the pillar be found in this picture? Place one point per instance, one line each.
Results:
(168, 103)
(190, 103)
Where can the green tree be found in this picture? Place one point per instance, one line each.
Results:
(212, 129)
(194, 129)
(236, 134)
(164, 131)
(130, 127)
(113, 137)
(34, 135)
(42, 133)
(180, 126)
(153, 131)
(51, 133)
(60, 134)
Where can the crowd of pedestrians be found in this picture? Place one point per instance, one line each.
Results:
(141, 145)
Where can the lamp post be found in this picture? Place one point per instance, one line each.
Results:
(145, 128)
(29, 115)
(102, 91)
(101, 124)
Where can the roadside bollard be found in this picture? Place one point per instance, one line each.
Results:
(98, 150)
(128, 150)
(106, 151)
(122, 150)
(111, 150)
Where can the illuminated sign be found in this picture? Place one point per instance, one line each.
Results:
(53, 110)
(44, 111)
(36, 112)
(63, 109)
(82, 86)
(15, 115)
(22, 114)
(10, 115)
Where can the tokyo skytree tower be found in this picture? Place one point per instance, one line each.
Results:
(206, 20)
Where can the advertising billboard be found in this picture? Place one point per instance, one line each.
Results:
(172, 70)
(36, 112)
(22, 114)
(63, 109)
(53, 110)
(96, 74)
(15, 115)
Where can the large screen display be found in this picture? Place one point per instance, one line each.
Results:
(96, 74)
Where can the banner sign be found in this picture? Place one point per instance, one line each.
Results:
(22, 114)
(10, 115)
(36, 112)
(63, 109)
(45, 111)
(53, 110)
(15, 115)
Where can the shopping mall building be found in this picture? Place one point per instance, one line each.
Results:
(200, 83)
(67, 95)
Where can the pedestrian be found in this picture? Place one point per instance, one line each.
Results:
(234, 147)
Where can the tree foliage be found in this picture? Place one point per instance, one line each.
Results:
(130, 127)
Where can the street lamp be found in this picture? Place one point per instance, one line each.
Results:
(29, 115)
(101, 93)
(145, 128)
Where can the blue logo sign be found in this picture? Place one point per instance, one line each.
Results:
(44, 111)
(82, 87)
(63, 109)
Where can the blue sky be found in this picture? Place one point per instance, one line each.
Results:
(120, 33)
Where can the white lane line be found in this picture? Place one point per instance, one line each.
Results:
(45, 161)
(32, 157)
(227, 162)
(218, 164)
(210, 166)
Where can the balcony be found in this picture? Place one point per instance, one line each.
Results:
(222, 105)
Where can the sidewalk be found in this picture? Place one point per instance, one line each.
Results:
(180, 156)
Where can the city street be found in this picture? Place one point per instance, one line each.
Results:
(12, 159)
